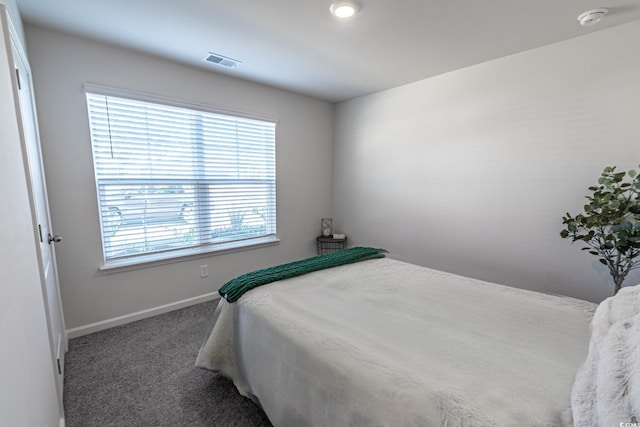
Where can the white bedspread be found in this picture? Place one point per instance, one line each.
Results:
(607, 388)
(386, 343)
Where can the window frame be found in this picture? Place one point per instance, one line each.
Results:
(180, 254)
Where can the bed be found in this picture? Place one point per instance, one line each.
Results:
(387, 343)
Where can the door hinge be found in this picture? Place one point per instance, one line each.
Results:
(18, 78)
(59, 368)
(40, 231)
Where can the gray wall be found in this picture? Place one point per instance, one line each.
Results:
(27, 385)
(61, 64)
(471, 171)
(467, 172)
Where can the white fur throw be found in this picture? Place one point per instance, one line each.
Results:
(606, 391)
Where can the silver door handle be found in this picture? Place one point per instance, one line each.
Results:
(55, 238)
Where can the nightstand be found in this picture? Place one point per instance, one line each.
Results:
(327, 244)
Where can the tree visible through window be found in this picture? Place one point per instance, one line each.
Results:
(171, 178)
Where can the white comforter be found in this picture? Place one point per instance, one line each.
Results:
(386, 343)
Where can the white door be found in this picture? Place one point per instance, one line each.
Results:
(48, 239)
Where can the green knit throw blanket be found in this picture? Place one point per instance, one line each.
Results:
(233, 289)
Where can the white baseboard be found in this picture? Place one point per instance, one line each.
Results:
(128, 318)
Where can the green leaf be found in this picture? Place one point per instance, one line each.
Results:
(564, 234)
(602, 261)
(619, 176)
(622, 245)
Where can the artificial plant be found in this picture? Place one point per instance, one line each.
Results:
(610, 223)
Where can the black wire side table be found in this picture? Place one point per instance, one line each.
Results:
(327, 244)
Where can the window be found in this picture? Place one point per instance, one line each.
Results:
(175, 179)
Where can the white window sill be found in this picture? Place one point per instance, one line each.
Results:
(185, 255)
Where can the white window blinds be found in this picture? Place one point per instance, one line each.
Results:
(171, 178)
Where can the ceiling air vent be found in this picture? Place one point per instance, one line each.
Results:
(223, 61)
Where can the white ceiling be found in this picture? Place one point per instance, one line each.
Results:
(297, 45)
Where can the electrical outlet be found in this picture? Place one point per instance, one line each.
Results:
(204, 271)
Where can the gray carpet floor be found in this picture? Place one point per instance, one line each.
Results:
(143, 374)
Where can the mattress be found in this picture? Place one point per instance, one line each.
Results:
(388, 343)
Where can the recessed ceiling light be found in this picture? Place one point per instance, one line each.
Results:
(344, 9)
(591, 17)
